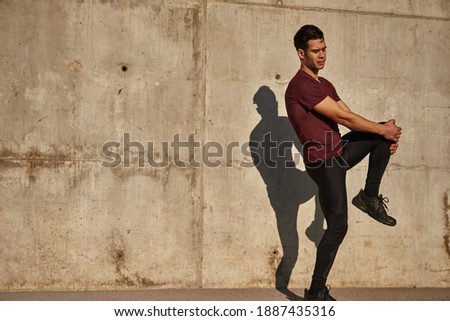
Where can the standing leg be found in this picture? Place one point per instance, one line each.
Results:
(330, 180)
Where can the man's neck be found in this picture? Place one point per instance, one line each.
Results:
(312, 73)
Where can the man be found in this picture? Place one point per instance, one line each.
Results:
(315, 110)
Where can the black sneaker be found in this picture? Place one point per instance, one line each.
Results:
(323, 295)
(375, 207)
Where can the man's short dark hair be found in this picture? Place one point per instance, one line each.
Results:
(305, 33)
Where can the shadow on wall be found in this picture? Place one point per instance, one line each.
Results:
(271, 143)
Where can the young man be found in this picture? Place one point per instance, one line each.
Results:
(315, 110)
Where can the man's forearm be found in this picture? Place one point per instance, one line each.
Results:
(341, 115)
(358, 123)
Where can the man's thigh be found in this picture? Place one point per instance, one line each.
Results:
(357, 145)
(330, 179)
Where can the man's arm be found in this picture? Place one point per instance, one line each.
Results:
(393, 147)
(341, 114)
(343, 105)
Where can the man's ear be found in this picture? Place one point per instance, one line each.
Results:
(301, 53)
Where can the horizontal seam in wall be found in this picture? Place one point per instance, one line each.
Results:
(332, 10)
(38, 159)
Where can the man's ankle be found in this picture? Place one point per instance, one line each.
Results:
(370, 193)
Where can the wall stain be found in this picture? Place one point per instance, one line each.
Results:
(41, 119)
(34, 160)
(192, 20)
(118, 253)
(446, 207)
(4, 163)
(368, 243)
(6, 152)
(76, 65)
(274, 258)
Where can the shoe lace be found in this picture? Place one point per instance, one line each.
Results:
(383, 201)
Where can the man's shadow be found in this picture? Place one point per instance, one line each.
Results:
(271, 143)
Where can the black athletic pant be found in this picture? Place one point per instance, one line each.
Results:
(329, 176)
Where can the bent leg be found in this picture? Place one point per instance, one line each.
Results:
(357, 146)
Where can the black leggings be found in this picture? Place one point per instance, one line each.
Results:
(329, 176)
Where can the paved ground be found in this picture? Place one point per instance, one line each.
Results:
(342, 294)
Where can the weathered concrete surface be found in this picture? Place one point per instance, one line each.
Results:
(77, 75)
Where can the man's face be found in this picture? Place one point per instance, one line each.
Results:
(315, 56)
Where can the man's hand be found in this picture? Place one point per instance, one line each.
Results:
(393, 148)
(391, 131)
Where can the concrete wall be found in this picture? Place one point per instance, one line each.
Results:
(79, 74)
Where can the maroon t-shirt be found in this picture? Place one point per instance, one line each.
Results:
(319, 135)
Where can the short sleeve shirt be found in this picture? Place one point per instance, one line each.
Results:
(319, 135)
